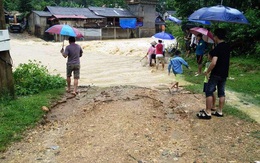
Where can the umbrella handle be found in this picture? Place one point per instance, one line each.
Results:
(63, 44)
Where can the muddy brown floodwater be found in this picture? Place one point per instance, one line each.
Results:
(125, 114)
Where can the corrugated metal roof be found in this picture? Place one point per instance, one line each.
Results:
(112, 12)
(56, 10)
(42, 13)
(70, 16)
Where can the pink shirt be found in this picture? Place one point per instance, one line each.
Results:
(151, 50)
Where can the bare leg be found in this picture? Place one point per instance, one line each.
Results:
(209, 102)
(174, 85)
(221, 104)
(214, 101)
(68, 84)
(200, 68)
(187, 53)
(163, 66)
(177, 85)
(75, 85)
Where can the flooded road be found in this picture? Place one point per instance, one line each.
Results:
(109, 63)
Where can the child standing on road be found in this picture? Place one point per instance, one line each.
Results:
(176, 65)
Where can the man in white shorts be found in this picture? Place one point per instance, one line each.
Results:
(159, 54)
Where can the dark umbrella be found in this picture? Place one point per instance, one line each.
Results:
(205, 22)
(219, 13)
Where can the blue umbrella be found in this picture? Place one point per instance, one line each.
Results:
(205, 22)
(219, 13)
(65, 30)
(164, 36)
(173, 19)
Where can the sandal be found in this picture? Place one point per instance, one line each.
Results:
(217, 114)
(74, 93)
(203, 115)
(213, 110)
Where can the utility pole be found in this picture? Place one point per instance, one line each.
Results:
(6, 74)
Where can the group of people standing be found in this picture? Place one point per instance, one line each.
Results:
(216, 70)
(156, 53)
(198, 45)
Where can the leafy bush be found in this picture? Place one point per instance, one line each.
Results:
(244, 39)
(177, 32)
(31, 78)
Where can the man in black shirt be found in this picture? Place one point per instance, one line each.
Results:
(218, 70)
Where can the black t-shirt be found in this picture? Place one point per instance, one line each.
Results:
(222, 51)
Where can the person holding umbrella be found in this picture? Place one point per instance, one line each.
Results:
(218, 69)
(200, 50)
(73, 52)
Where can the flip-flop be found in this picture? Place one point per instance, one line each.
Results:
(213, 110)
(217, 114)
(203, 115)
(74, 93)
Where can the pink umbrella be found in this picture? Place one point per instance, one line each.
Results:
(65, 30)
(207, 35)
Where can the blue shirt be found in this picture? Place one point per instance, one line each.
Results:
(200, 48)
(176, 65)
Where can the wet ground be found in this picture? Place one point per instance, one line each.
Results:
(125, 113)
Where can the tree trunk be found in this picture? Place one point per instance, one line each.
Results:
(6, 74)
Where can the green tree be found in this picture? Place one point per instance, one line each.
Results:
(25, 5)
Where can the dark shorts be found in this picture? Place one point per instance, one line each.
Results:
(75, 69)
(199, 59)
(187, 45)
(153, 56)
(205, 87)
(216, 81)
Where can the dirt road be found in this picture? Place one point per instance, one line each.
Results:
(126, 115)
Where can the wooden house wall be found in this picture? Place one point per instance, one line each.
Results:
(144, 11)
(37, 24)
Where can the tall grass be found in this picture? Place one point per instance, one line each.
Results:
(22, 113)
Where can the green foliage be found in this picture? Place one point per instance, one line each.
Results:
(229, 110)
(244, 77)
(244, 39)
(255, 134)
(32, 78)
(40, 5)
(18, 115)
(176, 31)
(70, 4)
